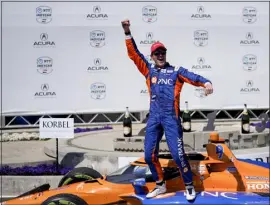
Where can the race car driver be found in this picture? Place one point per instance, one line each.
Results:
(164, 83)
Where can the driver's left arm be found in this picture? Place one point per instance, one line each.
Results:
(192, 78)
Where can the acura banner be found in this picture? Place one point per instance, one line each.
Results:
(60, 57)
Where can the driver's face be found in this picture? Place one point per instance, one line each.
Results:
(159, 57)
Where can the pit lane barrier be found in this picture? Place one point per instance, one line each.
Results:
(193, 141)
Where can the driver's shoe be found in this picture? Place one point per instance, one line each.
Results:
(159, 189)
(190, 192)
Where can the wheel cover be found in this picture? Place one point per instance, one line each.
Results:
(62, 202)
(77, 176)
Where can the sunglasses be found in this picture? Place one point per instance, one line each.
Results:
(159, 53)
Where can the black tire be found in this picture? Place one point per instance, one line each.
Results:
(66, 199)
(78, 175)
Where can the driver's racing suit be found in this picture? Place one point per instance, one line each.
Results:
(164, 86)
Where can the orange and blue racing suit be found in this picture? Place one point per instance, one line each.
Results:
(164, 86)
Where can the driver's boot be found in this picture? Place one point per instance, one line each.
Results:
(190, 192)
(159, 189)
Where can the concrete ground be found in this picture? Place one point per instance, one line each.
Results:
(28, 152)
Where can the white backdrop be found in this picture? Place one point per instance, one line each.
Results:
(51, 65)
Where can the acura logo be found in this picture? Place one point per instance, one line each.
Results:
(149, 35)
(249, 35)
(200, 9)
(96, 9)
(97, 61)
(249, 83)
(43, 36)
(200, 60)
(44, 87)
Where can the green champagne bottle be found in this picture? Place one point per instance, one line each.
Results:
(186, 119)
(245, 121)
(127, 124)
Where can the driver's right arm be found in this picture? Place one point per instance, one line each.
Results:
(135, 55)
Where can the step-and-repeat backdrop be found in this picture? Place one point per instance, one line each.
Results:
(62, 57)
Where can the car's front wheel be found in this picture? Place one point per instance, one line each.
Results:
(78, 175)
(64, 199)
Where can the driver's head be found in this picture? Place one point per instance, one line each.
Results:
(158, 54)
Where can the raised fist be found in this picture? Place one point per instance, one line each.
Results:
(126, 25)
(208, 88)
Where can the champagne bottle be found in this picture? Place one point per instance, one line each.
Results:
(127, 124)
(186, 119)
(245, 121)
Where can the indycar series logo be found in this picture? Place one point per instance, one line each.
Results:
(44, 42)
(97, 38)
(249, 62)
(200, 15)
(200, 38)
(249, 88)
(149, 14)
(45, 92)
(97, 14)
(44, 14)
(199, 92)
(97, 67)
(249, 15)
(98, 91)
(44, 65)
(249, 41)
